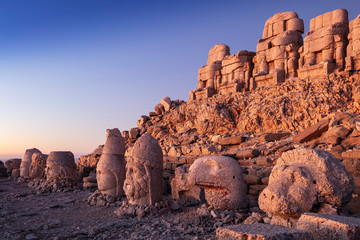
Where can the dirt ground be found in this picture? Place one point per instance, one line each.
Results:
(24, 214)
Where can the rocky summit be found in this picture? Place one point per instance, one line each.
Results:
(267, 146)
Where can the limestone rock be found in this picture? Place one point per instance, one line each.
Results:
(222, 180)
(260, 231)
(26, 162)
(303, 179)
(312, 132)
(166, 102)
(110, 171)
(143, 183)
(38, 165)
(61, 166)
(330, 227)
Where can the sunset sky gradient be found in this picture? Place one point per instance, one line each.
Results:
(70, 69)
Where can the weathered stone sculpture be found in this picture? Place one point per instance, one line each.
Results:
(143, 183)
(38, 165)
(236, 72)
(210, 75)
(222, 179)
(277, 52)
(325, 45)
(304, 180)
(13, 167)
(61, 166)
(182, 188)
(26, 162)
(110, 171)
(353, 49)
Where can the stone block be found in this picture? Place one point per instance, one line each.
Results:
(313, 131)
(261, 231)
(330, 227)
(247, 153)
(233, 140)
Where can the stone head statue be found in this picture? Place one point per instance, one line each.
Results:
(222, 179)
(60, 165)
(143, 183)
(304, 179)
(38, 165)
(26, 162)
(110, 170)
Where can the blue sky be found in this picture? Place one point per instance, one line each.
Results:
(70, 69)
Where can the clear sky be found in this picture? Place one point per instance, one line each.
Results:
(70, 69)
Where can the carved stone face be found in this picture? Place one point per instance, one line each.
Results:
(110, 170)
(143, 183)
(136, 184)
(304, 179)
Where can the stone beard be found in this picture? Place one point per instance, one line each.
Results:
(136, 184)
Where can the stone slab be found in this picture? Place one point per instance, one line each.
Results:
(330, 227)
(260, 231)
(313, 131)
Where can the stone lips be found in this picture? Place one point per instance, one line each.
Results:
(61, 166)
(222, 179)
(110, 170)
(304, 179)
(143, 183)
(26, 162)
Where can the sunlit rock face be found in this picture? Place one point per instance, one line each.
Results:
(277, 52)
(38, 165)
(325, 44)
(26, 162)
(61, 166)
(110, 170)
(143, 183)
(222, 179)
(304, 180)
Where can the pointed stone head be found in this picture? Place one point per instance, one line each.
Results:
(26, 162)
(143, 183)
(110, 170)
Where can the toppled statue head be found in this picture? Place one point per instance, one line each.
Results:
(110, 170)
(222, 179)
(143, 183)
(303, 180)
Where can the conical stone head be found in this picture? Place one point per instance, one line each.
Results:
(143, 183)
(26, 162)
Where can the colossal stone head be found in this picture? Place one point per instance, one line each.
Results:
(38, 165)
(222, 179)
(110, 170)
(143, 183)
(61, 166)
(218, 53)
(304, 179)
(26, 162)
